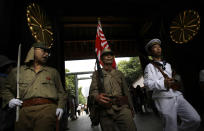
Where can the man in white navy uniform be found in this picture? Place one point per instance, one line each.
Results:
(169, 102)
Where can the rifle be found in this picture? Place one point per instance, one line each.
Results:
(100, 76)
(101, 82)
(94, 107)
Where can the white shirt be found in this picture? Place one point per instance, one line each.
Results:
(154, 80)
(79, 108)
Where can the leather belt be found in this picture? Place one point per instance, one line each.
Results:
(37, 101)
(119, 100)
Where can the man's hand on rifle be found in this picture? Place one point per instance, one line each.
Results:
(167, 83)
(102, 98)
(176, 85)
(170, 83)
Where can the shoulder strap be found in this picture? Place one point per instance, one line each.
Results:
(30, 84)
(164, 74)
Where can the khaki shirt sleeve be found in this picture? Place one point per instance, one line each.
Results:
(93, 91)
(9, 90)
(126, 91)
(62, 96)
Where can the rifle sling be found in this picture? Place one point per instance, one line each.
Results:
(162, 72)
(29, 86)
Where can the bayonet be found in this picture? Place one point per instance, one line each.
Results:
(18, 77)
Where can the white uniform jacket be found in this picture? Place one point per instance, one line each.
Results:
(154, 80)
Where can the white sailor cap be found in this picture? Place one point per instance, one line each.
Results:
(151, 43)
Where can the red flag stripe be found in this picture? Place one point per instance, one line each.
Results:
(101, 43)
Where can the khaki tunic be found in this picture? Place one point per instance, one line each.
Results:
(47, 84)
(44, 84)
(114, 85)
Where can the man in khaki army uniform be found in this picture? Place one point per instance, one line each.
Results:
(115, 93)
(42, 96)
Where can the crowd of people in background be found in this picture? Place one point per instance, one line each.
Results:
(142, 100)
(75, 110)
(82, 109)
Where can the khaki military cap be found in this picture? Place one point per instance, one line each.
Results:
(106, 51)
(41, 45)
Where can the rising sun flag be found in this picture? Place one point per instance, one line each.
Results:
(101, 43)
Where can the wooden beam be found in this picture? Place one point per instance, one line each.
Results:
(95, 25)
(93, 41)
(94, 19)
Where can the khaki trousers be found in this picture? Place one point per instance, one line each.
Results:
(122, 120)
(37, 118)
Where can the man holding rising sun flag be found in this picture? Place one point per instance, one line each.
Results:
(109, 90)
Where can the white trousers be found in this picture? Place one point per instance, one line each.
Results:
(170, 108)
